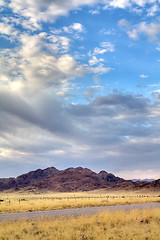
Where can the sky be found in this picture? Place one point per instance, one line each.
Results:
(80, 86)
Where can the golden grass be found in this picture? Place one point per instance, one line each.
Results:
(131, 225)
(31, 202)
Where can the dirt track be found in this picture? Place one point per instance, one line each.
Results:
(74, 212)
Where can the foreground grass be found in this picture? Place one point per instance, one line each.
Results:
(31, 202)
(133, 225)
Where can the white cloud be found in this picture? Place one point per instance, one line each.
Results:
(60, 93)
(58, 43)
(9, 67)
(95, 61)
(153, 10)
(105, 47)
(143, 76)
(75, 29)
(39, 63)
(135, 6)
(107, 31)
(133, 34)
(108, 46)
(6, 29)
(154, 85)
(66, 64)
(93, 12)
(120, 3)
(100, 69)
(127, 3)
(158, 91)
(124, 23)
(78, 27)
(99, 51)
(2, 3)
(151, 30)
(21, 21)
(126, 26)
(142, 3)
(36, 12)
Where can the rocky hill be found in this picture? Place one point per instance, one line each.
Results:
(72, 179)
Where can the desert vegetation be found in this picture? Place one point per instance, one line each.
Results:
(134, 224)
(22, 202)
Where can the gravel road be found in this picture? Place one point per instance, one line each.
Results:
(74, 212)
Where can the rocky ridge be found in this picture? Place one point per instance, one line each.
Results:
(72, 179)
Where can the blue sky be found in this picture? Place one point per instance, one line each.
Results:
(79, 86)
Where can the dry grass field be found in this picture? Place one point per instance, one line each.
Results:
(22, 202)
(133, 225)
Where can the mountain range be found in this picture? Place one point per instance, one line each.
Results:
(72, 179)
(143, 180)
